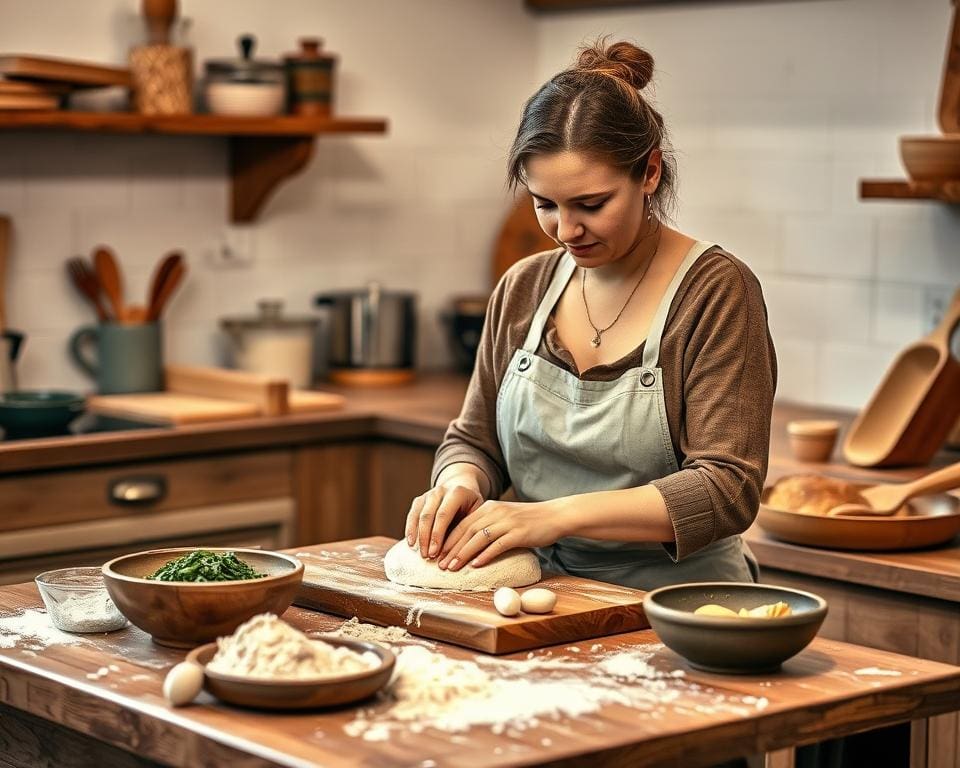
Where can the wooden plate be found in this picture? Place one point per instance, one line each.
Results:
(298, 694)
(925, 521)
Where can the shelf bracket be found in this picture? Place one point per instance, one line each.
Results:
(258, 164)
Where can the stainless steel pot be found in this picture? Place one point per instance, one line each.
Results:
(371, 328)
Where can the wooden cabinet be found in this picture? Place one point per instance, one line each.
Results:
(891, 621)
(359, 488)
(86, 516)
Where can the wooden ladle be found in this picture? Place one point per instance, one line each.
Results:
(913, 409)
(86, 282)
(887, 498)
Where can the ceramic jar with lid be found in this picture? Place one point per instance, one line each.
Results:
(274, 344)
(245, 86)
(310, 79)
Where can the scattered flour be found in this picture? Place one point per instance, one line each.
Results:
(430, 690)
(877, 671)
(32, 630)
(267, 647)
(360, 631)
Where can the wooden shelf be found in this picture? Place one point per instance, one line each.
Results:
(263, 150)
(901, 189)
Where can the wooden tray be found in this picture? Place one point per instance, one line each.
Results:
(76, 73)
(170, 408)
(346, 578)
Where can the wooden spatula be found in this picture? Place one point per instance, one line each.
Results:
(887, 498)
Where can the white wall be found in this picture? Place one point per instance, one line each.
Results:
(417, 209)
(776, 110)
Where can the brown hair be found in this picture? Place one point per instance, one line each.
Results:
(596, 107)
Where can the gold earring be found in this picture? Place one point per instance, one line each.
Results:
(649, 209)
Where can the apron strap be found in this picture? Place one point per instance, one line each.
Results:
(651, 348)
(561, 276)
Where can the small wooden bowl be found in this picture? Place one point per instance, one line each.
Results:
(298, 694)
(184, 614)
(733, 644)
(931, 158)
(812, 440)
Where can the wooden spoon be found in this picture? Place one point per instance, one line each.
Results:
(887, 498)
(108, 273)
(86, 282)
(160, 275)
(173, 277)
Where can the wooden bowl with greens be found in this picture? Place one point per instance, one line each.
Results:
(188, 596)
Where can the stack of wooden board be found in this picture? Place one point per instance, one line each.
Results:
(197, 394)
(346, 578)
(42, 82)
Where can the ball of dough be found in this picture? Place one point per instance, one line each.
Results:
(183, 683)
(507, 601)
(516, 568)
(538, 600)
(710, 609)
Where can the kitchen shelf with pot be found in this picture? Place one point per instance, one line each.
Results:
(263, 150)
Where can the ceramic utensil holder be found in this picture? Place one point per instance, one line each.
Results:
(129, 358)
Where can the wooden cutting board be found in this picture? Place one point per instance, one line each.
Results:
(173, 408)
(170, 408)
(78, 74)
(346, 578)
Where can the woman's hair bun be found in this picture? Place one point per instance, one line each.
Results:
(622, 60)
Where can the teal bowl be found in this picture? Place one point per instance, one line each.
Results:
(733, 645)
(38, 413)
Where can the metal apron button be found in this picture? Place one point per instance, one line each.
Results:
(647, 378)
(523, 364)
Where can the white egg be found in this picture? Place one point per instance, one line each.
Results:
(507, 601)
(538, 600)
(183, 683)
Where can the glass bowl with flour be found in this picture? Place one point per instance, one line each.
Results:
(77, 600)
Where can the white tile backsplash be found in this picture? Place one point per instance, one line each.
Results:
(776, 110)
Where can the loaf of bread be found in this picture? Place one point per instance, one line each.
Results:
(812, 494)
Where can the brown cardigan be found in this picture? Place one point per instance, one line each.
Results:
(719, 376)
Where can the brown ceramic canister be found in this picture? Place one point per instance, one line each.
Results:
(310, 79)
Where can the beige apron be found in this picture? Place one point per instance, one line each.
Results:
(563, 436)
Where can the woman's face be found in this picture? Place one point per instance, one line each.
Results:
(594, 210)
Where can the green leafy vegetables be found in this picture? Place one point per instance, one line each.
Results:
(203, 565)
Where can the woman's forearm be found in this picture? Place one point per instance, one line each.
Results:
(464, 473)
(632, 514)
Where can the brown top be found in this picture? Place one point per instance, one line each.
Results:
(719, 376)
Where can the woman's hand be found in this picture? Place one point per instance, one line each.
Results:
(497, 526)
(432, 513)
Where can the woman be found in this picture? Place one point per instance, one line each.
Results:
(624, 382)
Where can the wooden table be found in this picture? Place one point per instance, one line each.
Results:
(98, 702)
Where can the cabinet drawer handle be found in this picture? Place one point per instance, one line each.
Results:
(134, 491)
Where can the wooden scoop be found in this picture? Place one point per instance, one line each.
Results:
(915, 406)
(887, 498)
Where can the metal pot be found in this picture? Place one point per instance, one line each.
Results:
(371, 328)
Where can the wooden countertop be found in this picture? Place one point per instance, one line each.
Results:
(108, 687)
(419, 413)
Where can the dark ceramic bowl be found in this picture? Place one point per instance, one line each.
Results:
(185, 614)
(733, 644)
(298, 694)
(38, 413)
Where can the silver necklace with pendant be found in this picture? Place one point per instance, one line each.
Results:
(598, 332)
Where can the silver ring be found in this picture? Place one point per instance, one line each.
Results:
(486, 532)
